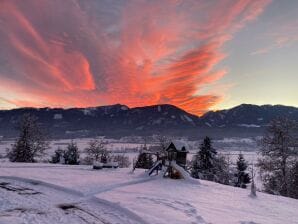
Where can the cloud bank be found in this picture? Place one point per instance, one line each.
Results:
(138, 52)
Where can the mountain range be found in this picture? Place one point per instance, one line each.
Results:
(119, 120)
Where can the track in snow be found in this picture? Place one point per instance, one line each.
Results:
(26, 201)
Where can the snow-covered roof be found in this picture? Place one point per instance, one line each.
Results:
(179, 145)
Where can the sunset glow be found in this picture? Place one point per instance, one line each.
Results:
(89, 53)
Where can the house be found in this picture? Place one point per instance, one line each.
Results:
(177, 152)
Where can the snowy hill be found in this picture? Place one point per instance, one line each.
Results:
(45, 193)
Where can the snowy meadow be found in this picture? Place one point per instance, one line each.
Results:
(47, 193)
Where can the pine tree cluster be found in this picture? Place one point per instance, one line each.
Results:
(207, 164)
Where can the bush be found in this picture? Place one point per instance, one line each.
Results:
(58, 156)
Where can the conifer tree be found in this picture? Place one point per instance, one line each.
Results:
(145, 161)
(207, 155)
(31, 142)
(71, 154)
(203, 162)
(242, 177)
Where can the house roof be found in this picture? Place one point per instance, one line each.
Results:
(177, 146)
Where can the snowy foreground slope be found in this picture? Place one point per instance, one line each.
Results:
(45, 193)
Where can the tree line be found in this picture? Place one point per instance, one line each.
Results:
(32, 144)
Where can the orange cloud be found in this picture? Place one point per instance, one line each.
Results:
(89, 53)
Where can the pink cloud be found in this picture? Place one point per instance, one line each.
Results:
(88, 53)
(283, 35)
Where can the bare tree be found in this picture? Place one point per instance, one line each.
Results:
(97, 150)
(278, 152)
(253, 188)
(163, 142)
(31, 142)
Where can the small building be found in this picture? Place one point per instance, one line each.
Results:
(177, 152)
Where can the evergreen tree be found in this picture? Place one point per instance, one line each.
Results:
(72, 155)
(31, 142)
(204, 160)
(242, 177)
(145, 161)
(207, 155)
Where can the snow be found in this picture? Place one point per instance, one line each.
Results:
(222, 116)
(159, 108)
(179, 144)
(41, 203)
(120, 196)
(124, 108)
(58, 116)
(237, 140)
(185, 175)
(208, 124)
(158, 121)
(249, 125)
(88, 111)
(188, 118)
(115, 145)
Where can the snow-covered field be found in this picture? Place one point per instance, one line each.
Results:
(113, 145)
(47, 193)
(227, 146)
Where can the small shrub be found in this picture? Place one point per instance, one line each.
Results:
(58, 156)
(122, 160)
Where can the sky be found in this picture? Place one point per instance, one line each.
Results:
(196, 54)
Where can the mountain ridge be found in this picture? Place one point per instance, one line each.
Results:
(120, 120)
